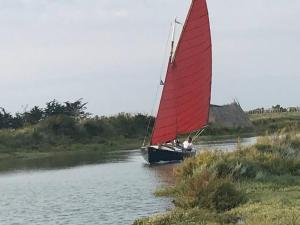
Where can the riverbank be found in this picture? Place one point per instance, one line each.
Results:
(62, 133)
(62, 156)
(257, 185)
(272, 122)
(65, 134)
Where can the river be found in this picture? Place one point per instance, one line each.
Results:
(86, 189)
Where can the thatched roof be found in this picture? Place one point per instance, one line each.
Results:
(230, 116)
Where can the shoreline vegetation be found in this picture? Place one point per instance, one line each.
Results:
(256, 185)
(67, 127)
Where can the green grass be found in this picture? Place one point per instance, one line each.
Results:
(31, 142)
(47, 150)
(257, 185)
(289, 115)
(268, 204)
(64, 134)
(271, 202)
(68, 133)
(272, 122)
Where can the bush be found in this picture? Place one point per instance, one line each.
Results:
(209, 180)
(60, 125)
(206, 190)
(235, 168)
(226, 197)
(94, 127)
(204, 160)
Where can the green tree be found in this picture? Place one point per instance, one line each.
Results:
(76, 109)
(34, 116)
(54, 108)
(5, 119)
(17, 121)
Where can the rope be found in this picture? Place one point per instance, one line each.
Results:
(157, 89)
(165, 53)
(199, 133)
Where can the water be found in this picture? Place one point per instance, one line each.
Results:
(115, 189)
(228, 144)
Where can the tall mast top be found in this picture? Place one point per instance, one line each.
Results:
(173, 41)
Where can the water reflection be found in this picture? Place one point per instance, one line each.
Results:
(115, 192)
(63, 160)
(226, 145)
(165, 172)
(116, 189)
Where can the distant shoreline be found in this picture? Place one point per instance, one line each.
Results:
(60, 134)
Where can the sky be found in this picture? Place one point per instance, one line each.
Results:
(111, 53)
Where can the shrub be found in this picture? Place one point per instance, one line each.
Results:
(206, 190)
(204, 160)
(94, 127)
(226, 197)
(208, 180)
(60, 125)
(235, 168)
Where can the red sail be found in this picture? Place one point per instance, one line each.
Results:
(185, 100)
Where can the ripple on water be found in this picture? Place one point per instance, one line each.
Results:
(115, 192)
(110, 193)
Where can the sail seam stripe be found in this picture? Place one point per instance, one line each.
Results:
(204, 37)
(193, 63)
(198, 27)
(195, 54)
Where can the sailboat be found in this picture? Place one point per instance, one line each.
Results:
(185, 100)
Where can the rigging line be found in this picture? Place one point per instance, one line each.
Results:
(195, 134)
(149, 122)
(165, 52)
(192, 133)
(157, 89)
(199, 133)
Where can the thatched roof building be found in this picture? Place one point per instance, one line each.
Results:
(229, 116)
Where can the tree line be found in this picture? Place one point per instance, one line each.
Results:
(75, 110)
(274, 109)
(71, 119)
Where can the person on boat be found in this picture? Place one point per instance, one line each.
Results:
(188, 145)
(176, 143)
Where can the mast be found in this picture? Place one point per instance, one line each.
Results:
(173, 41)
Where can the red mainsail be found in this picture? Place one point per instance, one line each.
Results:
(185, 101)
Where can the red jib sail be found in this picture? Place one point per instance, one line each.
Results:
(184, 105)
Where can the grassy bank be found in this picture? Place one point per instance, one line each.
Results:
(66, 128)
(63, 133)
(67, 133)
(257, 185)
(272, 122)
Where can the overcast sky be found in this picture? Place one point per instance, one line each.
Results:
(110, 52)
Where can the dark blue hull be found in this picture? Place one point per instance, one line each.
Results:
(154, 154)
